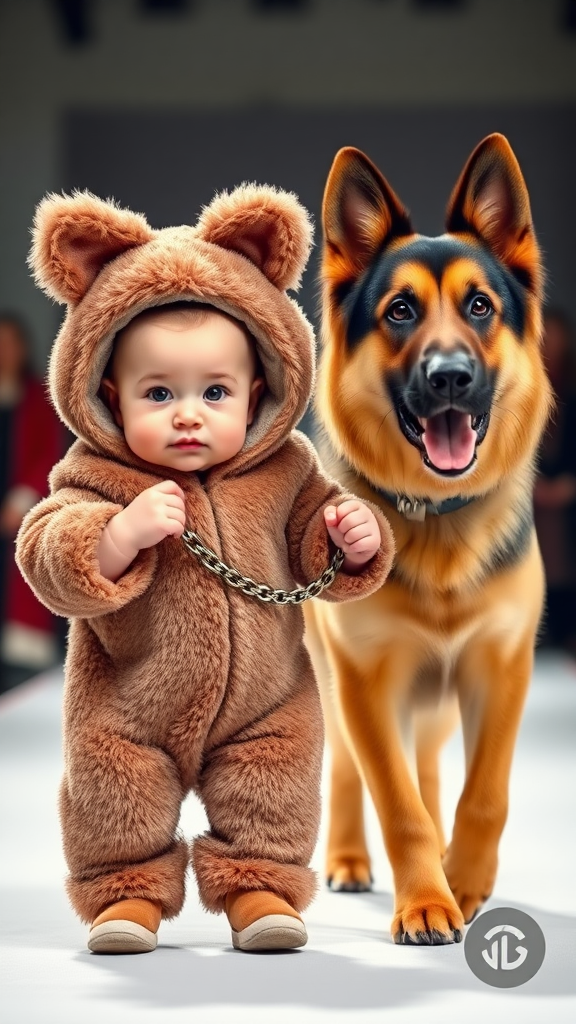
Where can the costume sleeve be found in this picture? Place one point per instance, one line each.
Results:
(56, 553)
(311, 548)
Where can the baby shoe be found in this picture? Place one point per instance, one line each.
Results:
(263, 920)
(129, 926)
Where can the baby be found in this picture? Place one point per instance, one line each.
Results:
(184, 387)
(183, 367)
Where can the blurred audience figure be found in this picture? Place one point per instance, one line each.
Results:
(555, 489)
(32, 439)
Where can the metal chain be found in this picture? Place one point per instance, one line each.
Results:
(261, 591)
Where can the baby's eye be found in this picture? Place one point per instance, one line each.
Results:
(215, 393)
(159, 394)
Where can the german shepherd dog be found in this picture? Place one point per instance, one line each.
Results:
(432, 397)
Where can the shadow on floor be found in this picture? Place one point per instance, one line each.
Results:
(193, 976)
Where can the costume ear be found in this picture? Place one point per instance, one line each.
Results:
(491, 201)
(74, 236)
(268, 226)
(360, 211)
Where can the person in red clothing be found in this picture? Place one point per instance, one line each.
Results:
(31, 441)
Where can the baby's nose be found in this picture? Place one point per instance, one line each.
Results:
(188, 410)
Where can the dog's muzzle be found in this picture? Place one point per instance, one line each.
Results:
(443, 409)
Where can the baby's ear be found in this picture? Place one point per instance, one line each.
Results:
(74, 236)
(267, 225)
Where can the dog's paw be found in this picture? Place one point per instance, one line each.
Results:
(435, 923)
(349, 874)
(470, 879)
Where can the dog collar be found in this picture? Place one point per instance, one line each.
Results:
(417, 508)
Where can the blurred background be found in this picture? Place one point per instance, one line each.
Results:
(160, 103)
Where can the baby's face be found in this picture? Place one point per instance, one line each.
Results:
(184, 395)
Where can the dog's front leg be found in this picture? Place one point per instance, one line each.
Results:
(492, 688)
(375, 705)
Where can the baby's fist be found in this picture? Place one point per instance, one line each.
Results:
(156, 513)
(353, 528)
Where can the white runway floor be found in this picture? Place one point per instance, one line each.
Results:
(350, 970)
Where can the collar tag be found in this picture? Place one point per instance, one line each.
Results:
(411, 508)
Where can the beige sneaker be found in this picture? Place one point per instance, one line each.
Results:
(129, 926)
(263, 920)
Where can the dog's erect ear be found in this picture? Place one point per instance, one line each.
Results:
(267, 225)
(491, 201)
(360, 211)
(74, 236)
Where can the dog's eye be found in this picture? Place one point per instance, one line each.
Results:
(399, 312)
(480, 306)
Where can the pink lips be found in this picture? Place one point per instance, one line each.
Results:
(188, 444)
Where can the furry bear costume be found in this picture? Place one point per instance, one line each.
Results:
(173, 680)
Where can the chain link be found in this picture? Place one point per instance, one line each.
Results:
(261, 591)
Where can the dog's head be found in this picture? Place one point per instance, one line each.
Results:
(431, 379)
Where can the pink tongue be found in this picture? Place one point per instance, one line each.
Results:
(449, 439)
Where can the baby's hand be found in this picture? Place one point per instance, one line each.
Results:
(156, 513)
(353, 528)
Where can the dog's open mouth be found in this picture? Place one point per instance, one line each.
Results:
(448, 440)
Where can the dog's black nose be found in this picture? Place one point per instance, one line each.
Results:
(450, 374)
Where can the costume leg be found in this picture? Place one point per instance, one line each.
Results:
(119, 805)
(261, 790)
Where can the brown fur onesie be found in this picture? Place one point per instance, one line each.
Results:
(175, 681)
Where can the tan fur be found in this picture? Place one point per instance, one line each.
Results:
(173, 681)
(269, 228)
(447, 633)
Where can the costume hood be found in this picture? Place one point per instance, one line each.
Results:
(107, 264)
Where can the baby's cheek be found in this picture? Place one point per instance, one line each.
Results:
(142, 435)
(233, 429)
